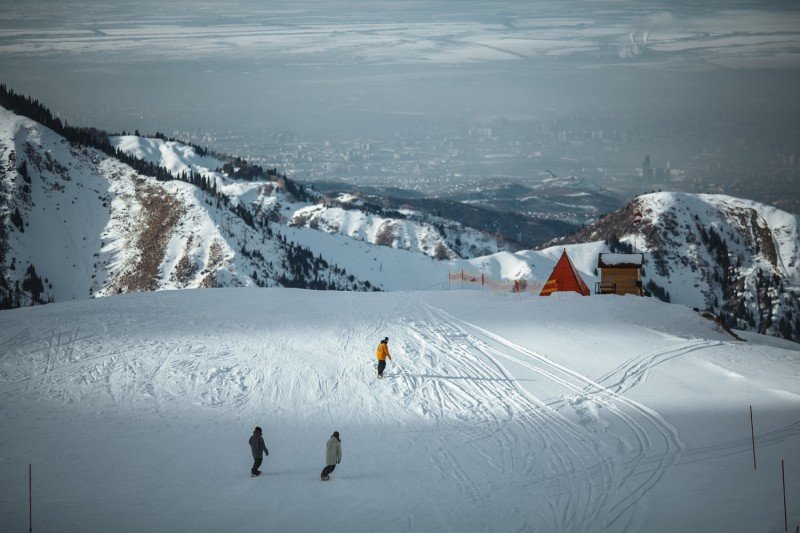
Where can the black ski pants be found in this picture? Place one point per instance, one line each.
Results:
(256, 463)
(381, 366)
(327, 470)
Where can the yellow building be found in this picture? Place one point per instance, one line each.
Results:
(620, 274)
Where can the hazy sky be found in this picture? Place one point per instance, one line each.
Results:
(326, 66)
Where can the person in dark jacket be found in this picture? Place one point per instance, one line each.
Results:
(333, 455)
(258, 447)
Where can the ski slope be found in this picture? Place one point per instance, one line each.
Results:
(498, 413)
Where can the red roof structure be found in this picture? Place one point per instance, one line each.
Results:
(564, 278)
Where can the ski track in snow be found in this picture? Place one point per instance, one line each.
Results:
(656, 443)
(488, 396)
(460, 374)
(635, 370)
(584, 458)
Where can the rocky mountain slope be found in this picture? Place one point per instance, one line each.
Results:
(79, 224)
(491, 212)
(85, 214)
(736, 258)
(267, 193)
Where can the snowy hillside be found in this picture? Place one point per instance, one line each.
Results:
(737, 258)
(77, 223)
(498, 413)
(345, 215)
(146, 234)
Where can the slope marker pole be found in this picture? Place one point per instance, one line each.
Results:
(30, 499)
(785, 515)
(753, 435)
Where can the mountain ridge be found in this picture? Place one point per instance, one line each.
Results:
(734, 257)
(152, 214)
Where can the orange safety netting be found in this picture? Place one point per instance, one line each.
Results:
(520, 285)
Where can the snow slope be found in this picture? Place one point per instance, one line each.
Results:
(89, 225)
(498, 413)
(92, 226)
(414, 232)
(735, 257)
(738, 222)
(73, 195)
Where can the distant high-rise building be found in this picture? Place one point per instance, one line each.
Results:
(647, 171)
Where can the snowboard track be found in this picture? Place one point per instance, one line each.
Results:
(657, 446)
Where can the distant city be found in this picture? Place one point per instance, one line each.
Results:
(439, 98)
(443, 158)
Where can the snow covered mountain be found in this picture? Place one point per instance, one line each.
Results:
(95, 216)
(497, 413)
(78, 222)
(344, 214)
(737, 258)
(500, 211)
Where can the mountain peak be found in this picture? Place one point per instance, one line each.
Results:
(734, 257)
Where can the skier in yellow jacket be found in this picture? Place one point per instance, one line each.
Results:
(382, 354)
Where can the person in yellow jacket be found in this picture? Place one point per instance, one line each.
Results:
(383, 354)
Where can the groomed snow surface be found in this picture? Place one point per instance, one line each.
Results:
(499, 412)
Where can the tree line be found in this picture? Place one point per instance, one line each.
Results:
(235, 168)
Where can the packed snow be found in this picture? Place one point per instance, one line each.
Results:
(498, 412)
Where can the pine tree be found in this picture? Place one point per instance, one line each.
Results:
(16, 219)
(32, 283)
(23, 171)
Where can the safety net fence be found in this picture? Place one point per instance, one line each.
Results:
(463, 279)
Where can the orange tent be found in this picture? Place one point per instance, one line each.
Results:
(564, 278)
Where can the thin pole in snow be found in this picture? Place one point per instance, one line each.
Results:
(785, 515)
(30, 499)
(753, 435)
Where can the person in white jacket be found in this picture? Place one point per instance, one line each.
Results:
(333, 455)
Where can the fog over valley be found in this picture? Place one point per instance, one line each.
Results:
(438, 97)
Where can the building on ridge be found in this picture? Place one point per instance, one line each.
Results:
(620, 274)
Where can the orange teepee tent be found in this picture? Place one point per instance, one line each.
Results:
(564, 278)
